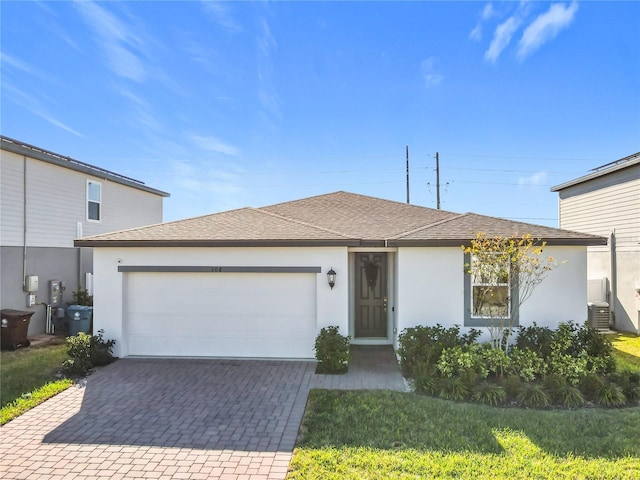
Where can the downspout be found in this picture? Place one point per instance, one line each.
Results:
(24, 222)
(613, 275)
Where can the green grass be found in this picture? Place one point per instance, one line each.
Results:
(32, 399)
(382, 434)
(28, 369)
(626, 351)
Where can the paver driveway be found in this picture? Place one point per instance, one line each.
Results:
(179, 418)
(164, 418)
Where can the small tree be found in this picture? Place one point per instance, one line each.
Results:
(500, 267)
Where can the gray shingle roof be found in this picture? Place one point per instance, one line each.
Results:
(339, 218)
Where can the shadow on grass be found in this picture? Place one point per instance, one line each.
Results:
(387, 420)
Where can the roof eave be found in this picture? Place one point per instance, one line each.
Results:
(219, 243)
(456, 242)
(594, 175)
(78, 166)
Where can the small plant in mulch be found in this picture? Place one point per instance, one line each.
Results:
(332, 351)
(87, 351)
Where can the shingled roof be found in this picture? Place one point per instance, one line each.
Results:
(335, 219)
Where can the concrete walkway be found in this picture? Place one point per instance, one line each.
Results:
(179, 418)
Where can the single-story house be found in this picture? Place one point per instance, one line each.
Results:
(253, 282)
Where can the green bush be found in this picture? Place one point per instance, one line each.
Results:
(533, 395)
(332, 351)
(82, 297)
(562, 392)
(526, 364)
(462, 361)
(87, 351)
(424, 344)
(496, 361)
(610, 395)
(452, 388)
(537, 339)
(489, 393)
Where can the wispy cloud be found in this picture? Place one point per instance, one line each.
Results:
(36, 107)
(16, 63)
(502, 37)
(214, 144)
(545, 27)
(487, 13)
(118, 42)
(429, 72)
(219, 12)
(536, 179)
(267, 93)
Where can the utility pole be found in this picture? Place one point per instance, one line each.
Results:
(407, 173)
(437, 181)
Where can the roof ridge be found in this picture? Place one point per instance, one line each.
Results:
(299, 222)
(430, 225)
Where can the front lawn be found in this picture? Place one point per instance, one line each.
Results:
(27, 377)
(626, 351)
(382, 434)
(26, 369)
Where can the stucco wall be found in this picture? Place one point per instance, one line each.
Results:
(430, 288)
(48, 264)
(110, 287)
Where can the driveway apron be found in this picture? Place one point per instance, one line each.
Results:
(164, 418)
(179, 419)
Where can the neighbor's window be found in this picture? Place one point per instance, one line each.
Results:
(94, 201)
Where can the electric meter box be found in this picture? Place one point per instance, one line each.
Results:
(31, 283)
(55, 292)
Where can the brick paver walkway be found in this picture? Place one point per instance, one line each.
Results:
(177, 419)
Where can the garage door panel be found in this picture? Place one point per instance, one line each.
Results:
(221, 314)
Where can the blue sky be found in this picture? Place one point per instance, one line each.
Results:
(233, 104)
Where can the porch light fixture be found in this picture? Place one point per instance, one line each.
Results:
(331, 277)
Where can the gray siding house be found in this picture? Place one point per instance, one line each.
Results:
(606, 202)
(47, 201)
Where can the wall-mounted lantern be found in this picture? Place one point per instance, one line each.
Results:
(331, 277)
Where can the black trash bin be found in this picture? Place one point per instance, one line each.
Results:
(14, 325)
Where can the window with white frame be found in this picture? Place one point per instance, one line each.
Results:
(94, 201)
(488, 291)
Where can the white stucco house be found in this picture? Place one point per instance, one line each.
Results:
(253, 282)
(47, 200)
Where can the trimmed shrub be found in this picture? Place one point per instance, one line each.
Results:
(526, 364)
(87, 351)
(465, 362)
(332, 351)
(537, 339)
(496, 361)
(424, 344)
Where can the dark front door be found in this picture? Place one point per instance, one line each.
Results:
(371, 295)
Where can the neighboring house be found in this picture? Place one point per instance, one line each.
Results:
(48, 200)
(253, 282)
(606, 202)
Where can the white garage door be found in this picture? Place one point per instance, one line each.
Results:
(221, 314)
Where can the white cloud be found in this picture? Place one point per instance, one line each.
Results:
(537, 178)
(545, 27)
(429, 72)
(501, 38)
(219, 12)
(214, 144)
(487, 13)
(116, 39)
